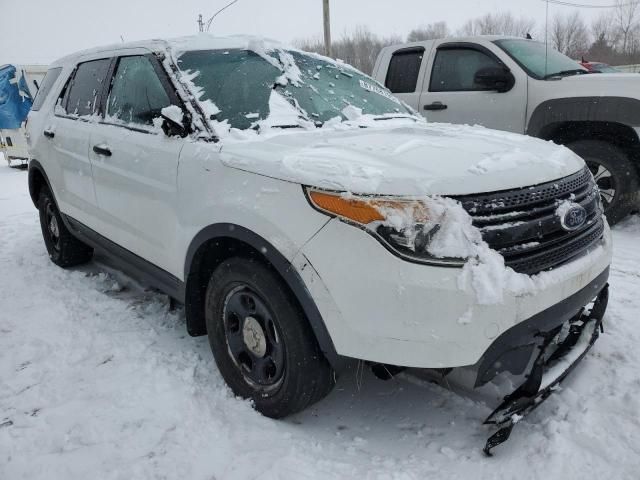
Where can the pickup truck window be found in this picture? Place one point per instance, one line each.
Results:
(82, 95)
(454, 69)
(240, 82)
(538, 61)
(137, 95)
(404, 68)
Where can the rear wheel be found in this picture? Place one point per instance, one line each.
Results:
(615, 176)
(261, 340)
(64, 249)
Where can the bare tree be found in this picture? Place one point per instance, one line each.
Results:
(569, 35)
(498, 24)
(603, 28)
(429, 32)
(359, 48)
(626, 17)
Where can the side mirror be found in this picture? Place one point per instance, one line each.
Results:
(175, 122)
(495, 78)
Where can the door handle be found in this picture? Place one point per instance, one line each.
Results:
(102, 150)
(435, 106)
(49, 133)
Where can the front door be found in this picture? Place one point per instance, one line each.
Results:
(135, 164)
(452, 95)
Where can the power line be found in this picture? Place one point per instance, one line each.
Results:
(586, 5)
(218, 12)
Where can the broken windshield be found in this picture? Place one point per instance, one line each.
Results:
(245, 88)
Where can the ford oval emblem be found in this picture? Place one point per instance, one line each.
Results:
(573, 218)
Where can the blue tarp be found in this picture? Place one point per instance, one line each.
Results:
(15, 100)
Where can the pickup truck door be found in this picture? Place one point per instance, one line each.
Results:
(451, 93)
(404, 69)
(135, 164)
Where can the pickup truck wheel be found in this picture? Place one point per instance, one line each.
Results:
(615, 176)
(261, 340)
(64, 249)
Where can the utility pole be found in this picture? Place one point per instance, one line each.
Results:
(200, 24)
(327, 28)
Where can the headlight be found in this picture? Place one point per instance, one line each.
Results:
(405, 227)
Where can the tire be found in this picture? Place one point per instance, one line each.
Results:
(615, 175)
(64, 249)
(262, 342)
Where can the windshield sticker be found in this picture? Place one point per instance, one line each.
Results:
(380, 91)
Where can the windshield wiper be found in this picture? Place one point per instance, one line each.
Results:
(287, 126)
(566, 73)
(393, 117)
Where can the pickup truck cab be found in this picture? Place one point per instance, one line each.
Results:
(302, 214)
(521, 86)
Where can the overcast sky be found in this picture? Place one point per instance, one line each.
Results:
(39, 31)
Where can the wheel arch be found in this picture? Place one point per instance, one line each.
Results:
(610, 119)
(215, 243)
(614, 111)
(37, 178)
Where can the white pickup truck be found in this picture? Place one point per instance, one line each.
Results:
(522, 86)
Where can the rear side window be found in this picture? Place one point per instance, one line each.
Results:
(137, 95)
(49, 79)
(83, 94)
(404, 68)
(454, 69)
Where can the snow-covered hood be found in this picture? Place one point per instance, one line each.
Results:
(406, 159)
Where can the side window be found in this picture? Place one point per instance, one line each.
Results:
(454, 69)
(48, 81)
(83, 94)
(137, 94)
(404, 68)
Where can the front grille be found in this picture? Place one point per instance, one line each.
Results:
(522, 224)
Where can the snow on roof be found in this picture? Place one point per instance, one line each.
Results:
(202, 41)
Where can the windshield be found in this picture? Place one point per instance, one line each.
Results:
(539, 61)
(240, 86)
(604, 68)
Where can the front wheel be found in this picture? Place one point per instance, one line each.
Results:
(261, 340)
(614, 174)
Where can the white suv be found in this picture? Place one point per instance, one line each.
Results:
(302, 214)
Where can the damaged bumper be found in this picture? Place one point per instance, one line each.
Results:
(555, 353)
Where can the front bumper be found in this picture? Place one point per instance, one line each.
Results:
(383, 309)
(558, 351)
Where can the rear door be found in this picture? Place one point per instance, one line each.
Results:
(135, 164)
(403, 73)
(68, 132)
(450, 93)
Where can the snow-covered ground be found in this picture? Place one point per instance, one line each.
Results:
(99, 379)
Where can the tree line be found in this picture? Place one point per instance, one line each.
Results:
(613, 37)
